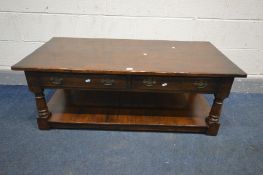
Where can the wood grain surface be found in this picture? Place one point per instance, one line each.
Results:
(128, 111)
(122, 56)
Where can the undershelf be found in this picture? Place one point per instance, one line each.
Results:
(128, 111)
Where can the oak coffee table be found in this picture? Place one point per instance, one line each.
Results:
(121, 84)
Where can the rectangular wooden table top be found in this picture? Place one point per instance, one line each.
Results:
(122, 56)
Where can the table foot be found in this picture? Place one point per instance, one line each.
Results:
(43, 123)
(213, 129)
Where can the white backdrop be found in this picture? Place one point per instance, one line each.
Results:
(233, 26)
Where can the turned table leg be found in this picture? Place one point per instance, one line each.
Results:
(43, 113)
(222, 93)
(214, 115)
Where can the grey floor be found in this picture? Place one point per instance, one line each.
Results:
(238, 149)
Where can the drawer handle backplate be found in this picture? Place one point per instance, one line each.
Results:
(200, 84)
(56, 80)
(149, 82)
(107, 82)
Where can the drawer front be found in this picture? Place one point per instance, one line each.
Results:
(175, 84)
(83, 81)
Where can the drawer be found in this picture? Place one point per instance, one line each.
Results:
(175, 84)
(82, 81)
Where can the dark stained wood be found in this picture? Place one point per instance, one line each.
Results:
(114, 56)
(129, 84)
(214, 115)
(43, 112)
(175, 83)
(125, 83)
(76, 80)
(173, 112)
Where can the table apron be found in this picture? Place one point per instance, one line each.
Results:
(127, 82)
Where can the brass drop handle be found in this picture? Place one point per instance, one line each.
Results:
(200, 84)
(56, 80)
(149, 82)
(107, 82)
